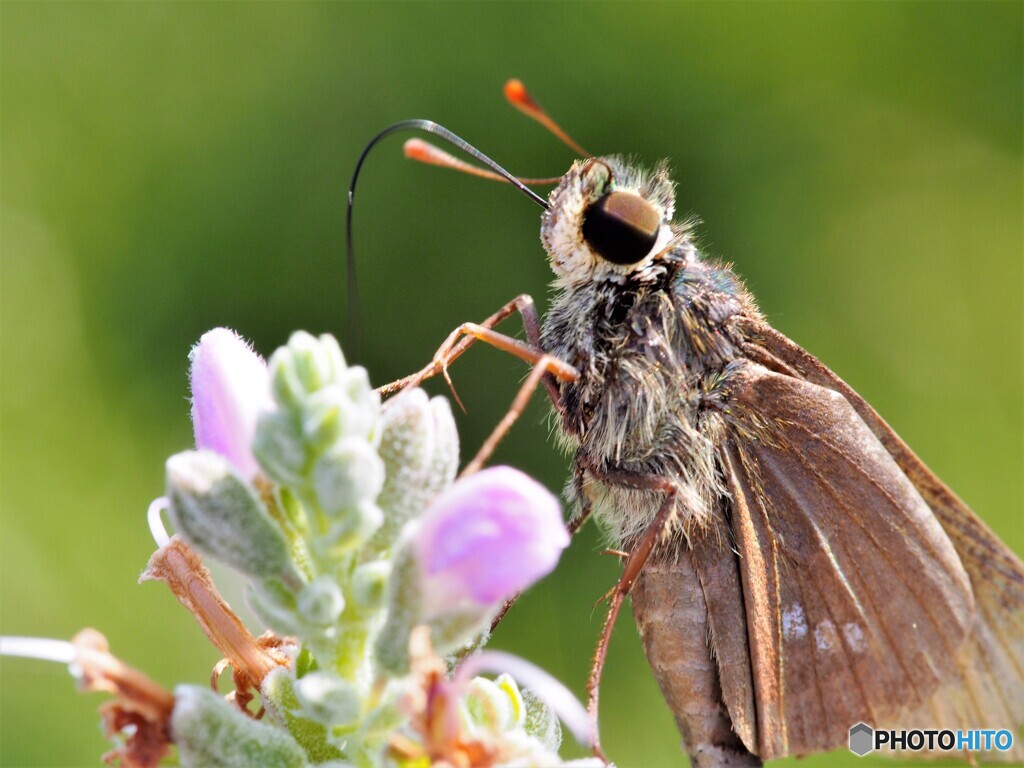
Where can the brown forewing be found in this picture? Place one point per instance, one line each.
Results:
(856, 603)
(986, 687)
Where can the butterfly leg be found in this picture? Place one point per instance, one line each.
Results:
(634, 563)
(540, 368)
(522, 398)
(468, 333)
(586, 506)
(546, 369)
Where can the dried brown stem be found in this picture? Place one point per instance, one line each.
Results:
(183, 571)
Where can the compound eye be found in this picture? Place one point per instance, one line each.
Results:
(621, 227)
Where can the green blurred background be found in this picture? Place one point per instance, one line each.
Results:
(169, 168)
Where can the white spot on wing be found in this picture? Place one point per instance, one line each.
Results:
(794, 625)
(825, 636)
(854, 636)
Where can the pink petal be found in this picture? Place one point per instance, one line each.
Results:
(487, 537)
(230, 386)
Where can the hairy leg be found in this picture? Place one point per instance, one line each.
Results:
(467, 334)
(632, 566)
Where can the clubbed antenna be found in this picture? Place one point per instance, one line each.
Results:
(521, 99)
(425, 152)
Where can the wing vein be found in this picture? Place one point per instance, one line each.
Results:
(912, 587)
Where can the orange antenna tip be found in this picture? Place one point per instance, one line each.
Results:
(425, 152)
(517, 94)
(521, 99)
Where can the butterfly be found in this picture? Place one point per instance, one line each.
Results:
(794, 568)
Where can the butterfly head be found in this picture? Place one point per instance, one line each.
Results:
(607, 219)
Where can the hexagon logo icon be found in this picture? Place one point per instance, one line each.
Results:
(862, 739)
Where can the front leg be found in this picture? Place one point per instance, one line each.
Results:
(546, 368)
(466, 334)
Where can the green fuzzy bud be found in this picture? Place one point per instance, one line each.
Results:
(328, 699)
(283, 706)
(541, 723)
(285, 385)
(355, 382)
(305, 662)
(210, 733)
(370, 583)
(316, 362)
(349, 473)
(406, 447)
(322, 419)
(293, 511)
(445, 461)
(420, 449)
(380, 723)
(360, 415)
(405, 600)
(321, 602)
(218, 512)
(329, 415)
(280, 448)
(349, 531)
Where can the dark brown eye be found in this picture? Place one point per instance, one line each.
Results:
(622, 227)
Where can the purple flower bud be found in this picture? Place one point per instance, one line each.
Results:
(230, 386)
(487, 537)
